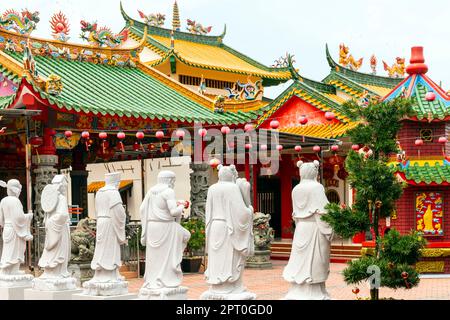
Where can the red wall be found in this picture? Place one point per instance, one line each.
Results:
(411, 131)
(289, 114)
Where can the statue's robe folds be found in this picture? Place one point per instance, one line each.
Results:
(229, 232)
(16, 229)
(111, 217)
(57, 246)
(310, 258)
(165, 239)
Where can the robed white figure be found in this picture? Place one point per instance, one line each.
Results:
(309, 265)
(229, 236)
(16, 233)
(110, 235)
(165, 241)
(56, 255)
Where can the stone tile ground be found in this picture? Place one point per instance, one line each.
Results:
(269, 285)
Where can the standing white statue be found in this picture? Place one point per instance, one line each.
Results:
(56, 255)
(111, 219)
(16, 233)
(229, 236)
(165, 241)
(309, 265)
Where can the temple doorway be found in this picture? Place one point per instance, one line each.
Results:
(269, 201)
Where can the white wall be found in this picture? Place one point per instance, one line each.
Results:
(180, 166)
(130, 170)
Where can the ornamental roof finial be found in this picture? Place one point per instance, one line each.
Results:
(176, 22)
(417, 61)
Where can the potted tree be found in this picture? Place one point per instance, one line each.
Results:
(195, 250)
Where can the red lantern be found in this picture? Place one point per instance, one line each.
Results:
(166, 147)
(249, 127)
(275, 124)
(85, 135)
(330, 116)
(335, 148)
(103, 135)
(280, 147)
(298, 149)
(121, 136)
(202, 133)
(136, 146)
(264, 147)
(419, 142)
(225, 130)
(430, 96)
(356, 291)
(140, 135)
(317, 149)
(303, 120)
(68, 134)
(443, 140)
(355, 147)
(160, 135)
(214, 163)
(36, 141)
(248, 146)
(180, 134)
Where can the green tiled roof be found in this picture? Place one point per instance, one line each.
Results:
(6, 101)
(130, 92)
(429, 172)
(423, 108)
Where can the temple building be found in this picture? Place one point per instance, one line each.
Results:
(125, 102)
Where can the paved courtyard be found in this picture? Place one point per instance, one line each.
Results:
(269, 285)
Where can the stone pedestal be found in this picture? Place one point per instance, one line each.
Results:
(56, 284)
(104, 298)
(307, 292)
(243, 296)
(16, 281)
(16, 293)
(31, 294)
(174, 294)
(105, 289)
(261, 260)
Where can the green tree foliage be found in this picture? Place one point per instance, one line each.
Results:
(377, 190)
(198, 238)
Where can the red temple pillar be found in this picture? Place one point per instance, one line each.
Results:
(286, 197)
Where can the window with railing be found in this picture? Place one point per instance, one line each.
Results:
(210, 83)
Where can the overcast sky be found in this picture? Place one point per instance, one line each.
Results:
(267, 29)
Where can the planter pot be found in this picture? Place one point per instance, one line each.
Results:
(191, 265)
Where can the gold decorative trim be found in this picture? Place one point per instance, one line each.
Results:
(430, 267)
(436, 253)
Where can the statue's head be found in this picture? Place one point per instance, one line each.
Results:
(309, 171)
(168, 178)
(13, 187)
(63, 183)
(227, 174)
(113, 179)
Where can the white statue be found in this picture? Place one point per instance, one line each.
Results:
(16, 233)
(229, 236)
(111, 219)
(56, 255)
(165, 241)
(309, 265)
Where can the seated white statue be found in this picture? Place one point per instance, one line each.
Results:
(309, 265)
(56, 255)
(229, 236)
(165, 241)
(16, 233)
(111, 219)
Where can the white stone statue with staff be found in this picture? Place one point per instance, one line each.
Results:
(111, 220)
(165, 240)
(56, 254)
(309, 265)
(16, 233)
(229, 236)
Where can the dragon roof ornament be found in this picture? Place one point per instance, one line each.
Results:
(23, 23)
(102, 37)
